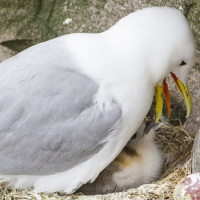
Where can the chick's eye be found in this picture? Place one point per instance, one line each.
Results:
(134, 136)
(182, 63)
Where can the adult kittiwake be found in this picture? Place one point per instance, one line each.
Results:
(68, 106)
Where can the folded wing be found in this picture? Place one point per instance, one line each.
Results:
(48, 122)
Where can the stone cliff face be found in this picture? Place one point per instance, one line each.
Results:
(24, 23)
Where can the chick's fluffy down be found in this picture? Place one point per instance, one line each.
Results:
(139, 162)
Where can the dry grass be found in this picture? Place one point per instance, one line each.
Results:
(176, 144)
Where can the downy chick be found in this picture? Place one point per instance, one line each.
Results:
(139, 162)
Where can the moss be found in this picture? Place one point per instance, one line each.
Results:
(17, 45)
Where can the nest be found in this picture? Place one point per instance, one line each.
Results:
(176, 144)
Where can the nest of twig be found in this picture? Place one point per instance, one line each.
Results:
(176, 144)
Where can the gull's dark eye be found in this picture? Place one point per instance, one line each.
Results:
(182, 63)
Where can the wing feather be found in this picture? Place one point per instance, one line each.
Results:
(48, 123)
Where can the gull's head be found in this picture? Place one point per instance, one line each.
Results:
(154, 42)
(170, 42)
(171, 49)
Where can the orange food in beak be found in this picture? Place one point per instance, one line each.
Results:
(165, 86)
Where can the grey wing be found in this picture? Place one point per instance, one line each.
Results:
(48, 123)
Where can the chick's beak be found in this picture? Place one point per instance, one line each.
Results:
(185, 92)
(164, 88)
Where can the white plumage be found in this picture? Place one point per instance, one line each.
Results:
(68, 106)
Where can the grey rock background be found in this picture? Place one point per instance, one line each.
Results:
(24, 23)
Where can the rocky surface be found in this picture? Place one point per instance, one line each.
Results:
(196, 154)
(188, 188)
(23, 23)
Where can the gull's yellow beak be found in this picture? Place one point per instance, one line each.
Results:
(185, 92)
(164, 88)
(159, 99)
(159, 102)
